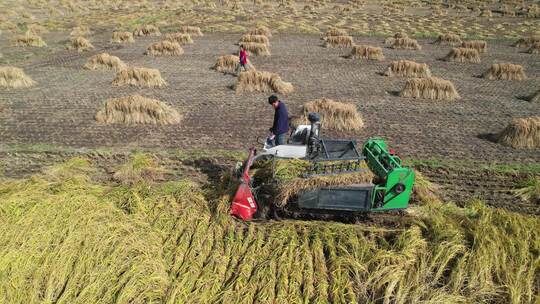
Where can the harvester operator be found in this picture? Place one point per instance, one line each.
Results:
(280, 127)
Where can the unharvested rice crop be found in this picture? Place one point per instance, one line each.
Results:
(262, 81)
(256, 49)
(122, 37)
(448, 39)
(534, 49)
(521, 133)
(463, 55)
(336, 32)
(12, 77)
(135, 109)
(260, 30)
(430, 88)
(535, 97)
(406, 44)
(505, 71)
(29, 39)
(366, 52)
(229, 64)
(182, 38)
(146, 30)
(335, 115)
(526, 42)
(139, 77)
(104, 61)
(479, 45)
(68, 238)
(192, 30)
(338, 41)
(406, 68)
(80, 44)
(254, 38)
(164, 48)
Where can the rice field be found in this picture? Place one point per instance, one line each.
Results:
(68, 238)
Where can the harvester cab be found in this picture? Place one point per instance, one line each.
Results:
(389, 190)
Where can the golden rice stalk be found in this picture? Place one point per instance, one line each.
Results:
(81, 30)
(391, 40)
(406, 68)
(104, 61)
(430, 88)
(535, 97)
(260, 30)
(336, 32)
(366, 52)
(530, 190)
(505, 71)
(80, 44)
(406, 44)
(135, 109)
(290, 189)
(256, 49)
(479, 45)
(521, 133)
(140, 168)
(463, 55)
(262, 81)
(12, 77)
(338, 41)
(424, 191)
(534, 49)
(29, 39)
(146, 30)
(229, 64)
(448, 39)
(335, 115)
(140, 77)
(164, 48)
(122, 37)
(181, 38)
(526, 42)
(254, 38)
(192, 30)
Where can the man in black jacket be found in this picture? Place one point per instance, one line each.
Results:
(280, 127)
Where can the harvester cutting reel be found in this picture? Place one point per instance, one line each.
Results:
(390, 190)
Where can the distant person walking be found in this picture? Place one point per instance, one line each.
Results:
(242, 56)
(280, 127)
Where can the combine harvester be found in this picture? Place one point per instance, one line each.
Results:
(391, 190)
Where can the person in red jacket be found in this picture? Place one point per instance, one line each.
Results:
(242, 55)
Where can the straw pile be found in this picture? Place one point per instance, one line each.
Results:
(521, 133)
(338, 41)
(122, 37)
(146, 30)
(255, 39)
(505, 71)
(80, 44)
(336, 32)
(486, 13)
(192, 30)
(335, 115)
(164, 48)
(256, 49)
(261, 81)
(534, 49)
(463, 55)
(260, 30)
(229, 64)
(181, 38)
(81, 30)
(135, 109)
(406, 68)
(140, 77)
(430, 88)
(526, 42)
(448, 39)
(12, 77)
(366, 52)
(29, 39)
(391, 40)
(406, 44)
(104, 61)
(479, 45)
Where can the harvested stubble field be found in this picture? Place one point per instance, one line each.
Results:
(153, 236)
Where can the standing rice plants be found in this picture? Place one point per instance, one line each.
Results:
(12, 77)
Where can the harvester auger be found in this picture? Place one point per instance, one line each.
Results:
(391, 189)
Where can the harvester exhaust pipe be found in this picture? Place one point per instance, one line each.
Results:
(313, 140)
